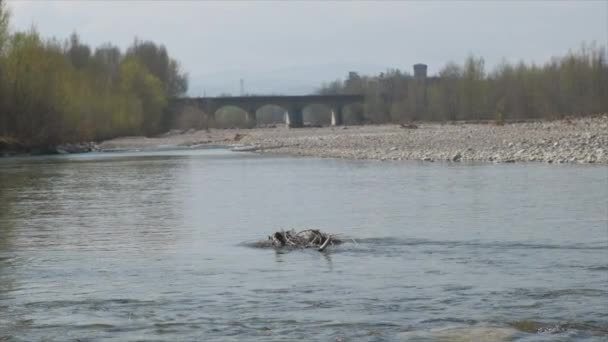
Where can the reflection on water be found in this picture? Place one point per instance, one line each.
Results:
(150, 247)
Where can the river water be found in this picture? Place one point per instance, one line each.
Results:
(154, 247)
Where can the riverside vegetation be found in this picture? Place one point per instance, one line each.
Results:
(58, 92)
(573, 85)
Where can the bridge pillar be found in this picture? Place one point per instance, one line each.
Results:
(209, 110)
(211, 120)
(251, 118)
(294, 118)
(336, 116)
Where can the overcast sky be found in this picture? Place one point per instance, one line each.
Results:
(323, 40)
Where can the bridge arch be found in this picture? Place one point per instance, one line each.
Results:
(270, 114)
(232, 116)
(317, 114)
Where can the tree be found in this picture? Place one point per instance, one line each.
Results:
(53, 92)
(156, 59)
(449, 101)
(4, 37)
(472, 96)
(148, 90)
(79, 54)
(4, 26)
(106, 60)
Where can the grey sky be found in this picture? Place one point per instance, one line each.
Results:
(311, 42)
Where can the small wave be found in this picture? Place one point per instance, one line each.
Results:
(598, 268)
(466, 333)
(531, 326)
(257, 244)
(457, 288)
(174, 324)
(88, 302)
(449, 320)
(389, 241)
(552, 294)
(93, 326)
(359, 325)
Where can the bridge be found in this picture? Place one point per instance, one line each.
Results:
(293, 105)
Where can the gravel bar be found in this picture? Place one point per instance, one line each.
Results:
(582, 140)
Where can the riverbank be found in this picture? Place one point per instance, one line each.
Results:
(11, 147)
(583, 140)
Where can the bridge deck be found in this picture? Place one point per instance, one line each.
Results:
(282, 98)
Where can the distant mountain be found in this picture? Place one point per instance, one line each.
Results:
(288, 81)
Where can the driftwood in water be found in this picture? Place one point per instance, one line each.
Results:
(310, 238)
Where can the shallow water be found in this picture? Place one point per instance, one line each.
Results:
(153, 246)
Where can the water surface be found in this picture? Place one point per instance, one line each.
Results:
(149, 246)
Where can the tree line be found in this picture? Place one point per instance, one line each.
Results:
(573, 85)
(59, 91)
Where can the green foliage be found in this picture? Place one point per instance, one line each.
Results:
(146, 92)
(78, 53)
(52, 93)
(4, 26)
(576, 84)
(157, 61)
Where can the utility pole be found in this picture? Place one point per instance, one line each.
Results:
(242, 87)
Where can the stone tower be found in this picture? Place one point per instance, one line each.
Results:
(420, 71)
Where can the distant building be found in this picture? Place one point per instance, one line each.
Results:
(420, 71)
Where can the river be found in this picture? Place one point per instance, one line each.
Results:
(154, 247)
